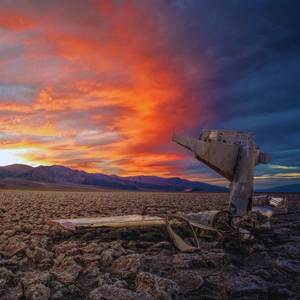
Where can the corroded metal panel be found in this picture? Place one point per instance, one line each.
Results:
(232, 154)
(219, 156)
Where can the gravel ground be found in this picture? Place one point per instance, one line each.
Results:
(39, 261)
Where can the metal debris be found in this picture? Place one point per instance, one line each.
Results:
(233, 155)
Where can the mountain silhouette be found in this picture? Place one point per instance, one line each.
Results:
(47, 177)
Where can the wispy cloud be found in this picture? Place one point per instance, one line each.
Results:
(278, 176)
(279, 167)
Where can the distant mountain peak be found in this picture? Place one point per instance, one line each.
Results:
(61, 175)
(17, 168)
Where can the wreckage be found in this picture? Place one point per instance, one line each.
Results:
(233, 155)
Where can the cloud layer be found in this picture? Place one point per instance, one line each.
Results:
(101, 85)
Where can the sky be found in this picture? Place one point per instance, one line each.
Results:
(102, 85)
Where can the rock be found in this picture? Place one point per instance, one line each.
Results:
(105, 279)
(67, 293)
(158, 263)
(106, 258)
(263, 273)
(9, 232)
(3, 286)
(188, 280)
(67, 248)
(127, 266)
(89, 276)
(40, 232)
(58, 295)
(67, 271)
(258, 247)
(109, 292)
(158, 287)
(281, 293)
(30, 278)
(239, 284)
(159, 248)
(6, 274)
(122, 284)
(258, 258)
(292, 250)
(90, 248)
(59, 290)
(74, 292)
(38, 254)
(89, 258)
(187, 260)
(288, 266)
(117, 249)
(248, 284)
(37, 292)
(12, 247)
(15, 293)
(214, 259)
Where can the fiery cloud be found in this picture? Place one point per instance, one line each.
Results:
(101, 90)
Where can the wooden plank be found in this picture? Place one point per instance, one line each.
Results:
(112, 222)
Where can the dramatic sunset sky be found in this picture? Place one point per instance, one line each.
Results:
(101, 85)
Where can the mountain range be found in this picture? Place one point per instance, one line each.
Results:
(289, 188)
(60, 177)
(18, 176)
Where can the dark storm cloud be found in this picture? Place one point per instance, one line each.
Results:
(252, 48)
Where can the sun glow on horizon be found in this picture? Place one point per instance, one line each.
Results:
(14, 156)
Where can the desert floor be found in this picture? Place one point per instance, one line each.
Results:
(41, 261)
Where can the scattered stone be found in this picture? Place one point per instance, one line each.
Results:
(288, 266)
(14, 293)
(36, 259)
(122, 284)
(292, 250)
(38, 254)
(6, 274)
(109, 292)
(106, 258)
(127, 266)
(89, 276)
(241, 284)
(30, 278)
(37, 292)
(67, 271)
(187, 260)
(67, 248)
(90, 248)
(263, 273)
(9, 232)
(12, 247)
(158, 287)
(3, 286)
(188, 280)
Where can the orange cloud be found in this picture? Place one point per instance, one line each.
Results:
(14, 20)
(110, 89)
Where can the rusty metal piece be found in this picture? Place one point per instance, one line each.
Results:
(233, 155)
(178, 242)
(202, 224)
(279, 202)
(261, 200)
